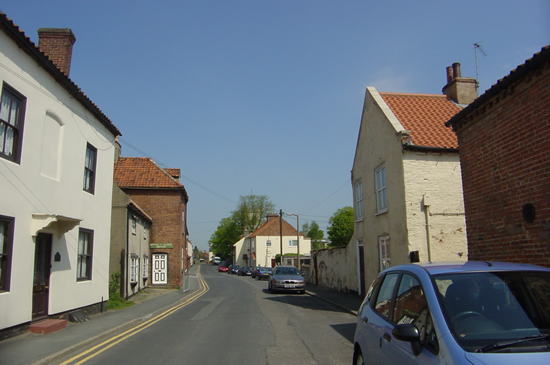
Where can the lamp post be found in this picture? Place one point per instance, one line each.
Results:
(297, 236)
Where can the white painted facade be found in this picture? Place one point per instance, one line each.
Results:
(389, 236)
(261, 250)
(44, 193)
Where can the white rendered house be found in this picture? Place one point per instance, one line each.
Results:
(56, 176)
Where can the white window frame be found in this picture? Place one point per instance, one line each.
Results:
(145, 267)
(381, 190)
(385, 252)
(359, 200)
(268, 243)
(292, 243)
(134, 268)
(134, 224)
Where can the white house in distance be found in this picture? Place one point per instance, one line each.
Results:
(261, 246)
(56, 172)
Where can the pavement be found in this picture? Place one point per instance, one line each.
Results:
(37, 349)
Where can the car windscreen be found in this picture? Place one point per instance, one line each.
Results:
(486, 308)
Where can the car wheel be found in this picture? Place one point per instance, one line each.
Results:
(357, 357)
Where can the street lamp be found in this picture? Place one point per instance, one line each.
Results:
(297, 235)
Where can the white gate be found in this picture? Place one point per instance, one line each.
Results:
(160, 268)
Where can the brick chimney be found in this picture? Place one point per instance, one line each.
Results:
(462, 90)
(57, 44)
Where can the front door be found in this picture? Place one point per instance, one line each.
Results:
(160, 268)
(41, 284)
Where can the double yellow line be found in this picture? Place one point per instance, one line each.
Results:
(105, 345)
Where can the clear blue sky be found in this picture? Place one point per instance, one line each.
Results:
(265, 97)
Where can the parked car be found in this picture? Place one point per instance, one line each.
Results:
(263, 272)
(460, 313)
(234, 269)
(286, 278)
(244, 271)
(216, 260)
(222, 267)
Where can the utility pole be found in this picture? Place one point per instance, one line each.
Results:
(281, 233)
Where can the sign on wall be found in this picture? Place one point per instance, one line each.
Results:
(161, 245)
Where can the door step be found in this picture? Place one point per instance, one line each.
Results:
(48, 326)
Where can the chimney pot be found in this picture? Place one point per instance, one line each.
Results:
(57, 44)
(449, 74)
(456, 70)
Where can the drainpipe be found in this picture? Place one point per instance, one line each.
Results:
(426, 202)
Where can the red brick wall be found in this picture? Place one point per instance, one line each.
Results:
(57, 44)
(166, 208)
(505, 160)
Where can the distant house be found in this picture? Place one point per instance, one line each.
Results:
(56, 172)
(505, 158)
(406, 179)
(261, 246)
(130, 239)
(160, 194)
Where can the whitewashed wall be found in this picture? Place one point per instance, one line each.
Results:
(49, 179)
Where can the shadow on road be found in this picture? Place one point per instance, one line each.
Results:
(303, 301)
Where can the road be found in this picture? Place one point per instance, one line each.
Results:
(233, 320)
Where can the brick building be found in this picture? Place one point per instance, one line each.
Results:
(160, 194)
(505, 160)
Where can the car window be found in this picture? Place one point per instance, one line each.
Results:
(383, 303)
(411, 307)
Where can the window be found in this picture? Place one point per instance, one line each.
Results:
(89, 168)
(84, 261)
(358, 200)
(145, 268)
(134, 224)
(12, 111)
(134, 268)
(384, 248)
(383, 303)
(381, 193)
(268, 243)
(6, 244)
(292, 243)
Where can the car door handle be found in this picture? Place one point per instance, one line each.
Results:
(365, 320)
(387, 337)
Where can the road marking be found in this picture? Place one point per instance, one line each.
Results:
(105, 345)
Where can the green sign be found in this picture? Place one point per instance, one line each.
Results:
(161, 245)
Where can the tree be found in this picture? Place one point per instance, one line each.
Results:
(317, 235)
(196, 253)
(340, 229)
(251, 211)
(228, 233)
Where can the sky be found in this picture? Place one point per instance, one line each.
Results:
(265, 97)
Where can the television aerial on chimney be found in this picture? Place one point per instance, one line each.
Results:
(477, 47)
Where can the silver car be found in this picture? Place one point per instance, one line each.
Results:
(456, 313)
(286, 278)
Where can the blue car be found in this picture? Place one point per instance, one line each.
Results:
(456, 313)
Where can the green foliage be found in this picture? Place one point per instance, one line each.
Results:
(313, 231)
(250, 213)
(340, 229)
(227, 234)
(115, 300)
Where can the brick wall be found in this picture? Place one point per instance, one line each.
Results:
(505, 158)
(166, 208)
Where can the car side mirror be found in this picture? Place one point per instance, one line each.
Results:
(408, 333)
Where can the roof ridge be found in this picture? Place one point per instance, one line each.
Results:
(414, 94)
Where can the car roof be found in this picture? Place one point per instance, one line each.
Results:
(435, 268)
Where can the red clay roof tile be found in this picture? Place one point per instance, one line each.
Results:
(142, 172)
(425, 116)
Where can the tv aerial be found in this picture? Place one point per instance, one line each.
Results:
(477, 47)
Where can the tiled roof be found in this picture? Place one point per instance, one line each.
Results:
(30, 48)
(273, 228)
(424, 115)
(142, 172)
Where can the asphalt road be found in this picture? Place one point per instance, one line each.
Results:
(234, 320)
